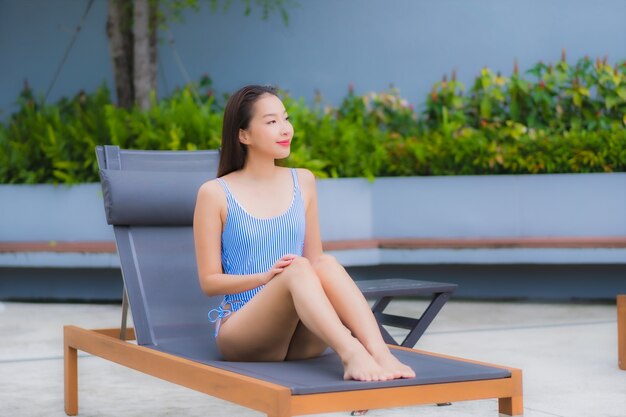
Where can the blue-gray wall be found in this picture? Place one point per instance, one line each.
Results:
(327, 45)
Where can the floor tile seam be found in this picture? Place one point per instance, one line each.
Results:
(536, 410)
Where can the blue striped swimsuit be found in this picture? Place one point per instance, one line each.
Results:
(251, 245)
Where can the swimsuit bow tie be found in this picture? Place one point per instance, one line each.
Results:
(218, 313)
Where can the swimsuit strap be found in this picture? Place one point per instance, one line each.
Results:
(294, 176)
(225, 187)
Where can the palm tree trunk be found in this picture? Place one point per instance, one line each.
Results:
(142, 56)
(119, 33)
(154, 27)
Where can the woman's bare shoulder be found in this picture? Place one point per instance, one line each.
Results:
(306, 177)
(210, 186)
(211, 191)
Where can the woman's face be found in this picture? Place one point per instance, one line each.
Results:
(269, 131)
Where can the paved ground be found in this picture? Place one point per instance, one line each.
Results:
(568, 353)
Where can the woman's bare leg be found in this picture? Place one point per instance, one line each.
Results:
(304, 344)
(354, 311)
(263, 329)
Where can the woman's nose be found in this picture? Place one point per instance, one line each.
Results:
(286, 128)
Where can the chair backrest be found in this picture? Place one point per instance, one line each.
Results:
(149, 198)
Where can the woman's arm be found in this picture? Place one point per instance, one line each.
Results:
(312, 239)
(208, 218)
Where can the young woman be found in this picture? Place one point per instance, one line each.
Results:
(258, 241)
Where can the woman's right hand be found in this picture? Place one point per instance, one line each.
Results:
(278, 267)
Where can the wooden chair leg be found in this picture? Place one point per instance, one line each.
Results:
(621, 331)
(70, 359)
(514, 405)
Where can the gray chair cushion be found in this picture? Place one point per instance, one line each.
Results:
(143, 198)
(325, 373)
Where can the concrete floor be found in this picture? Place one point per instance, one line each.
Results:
(568, 353)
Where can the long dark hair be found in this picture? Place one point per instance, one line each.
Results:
(237, 115)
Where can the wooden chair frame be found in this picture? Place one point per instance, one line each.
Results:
(621, 331)
(272, 399)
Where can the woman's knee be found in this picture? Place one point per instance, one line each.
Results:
(300, 262)
(299, 268)
(325, 262)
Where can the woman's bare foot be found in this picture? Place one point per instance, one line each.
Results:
(361, 366)
(391, 364)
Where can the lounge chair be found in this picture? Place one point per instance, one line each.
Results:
(151, 208)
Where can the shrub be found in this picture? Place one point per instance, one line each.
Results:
(56, 143)
(566, 119)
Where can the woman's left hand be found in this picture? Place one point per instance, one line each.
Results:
(278, 267)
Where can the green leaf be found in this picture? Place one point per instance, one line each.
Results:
(485, 109)
(610, 102)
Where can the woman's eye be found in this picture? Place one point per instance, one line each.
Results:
(271, 121)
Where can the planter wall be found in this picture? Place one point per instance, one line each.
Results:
(47, 212)
(355, 208)
(500, 206)
(474, 206)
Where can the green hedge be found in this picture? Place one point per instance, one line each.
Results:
(560, 119)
